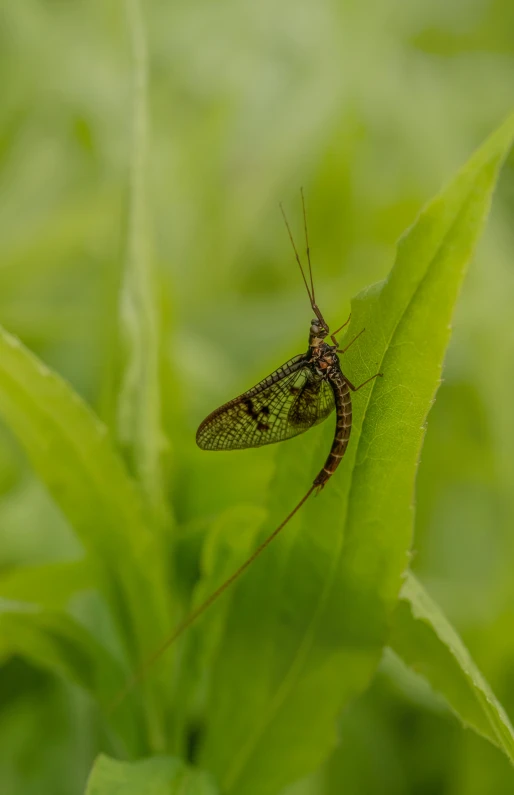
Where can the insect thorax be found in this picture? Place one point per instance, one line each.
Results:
(324, 359)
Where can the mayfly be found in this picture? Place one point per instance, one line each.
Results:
(295, 397)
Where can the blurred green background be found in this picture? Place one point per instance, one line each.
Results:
(370, 106)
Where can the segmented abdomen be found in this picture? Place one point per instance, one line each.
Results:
(342, 431)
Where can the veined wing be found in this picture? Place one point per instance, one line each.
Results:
(286, 403)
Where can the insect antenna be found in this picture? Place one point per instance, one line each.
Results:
(307, 245)
(311, 295)
(310, 290)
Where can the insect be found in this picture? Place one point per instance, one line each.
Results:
(298, 395)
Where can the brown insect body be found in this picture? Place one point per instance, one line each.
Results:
(327, 365)
(295, 397)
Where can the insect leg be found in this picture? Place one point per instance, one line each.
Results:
(356, 388)
(343, 350)
(333, 336)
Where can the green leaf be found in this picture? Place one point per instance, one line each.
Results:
(72, 453)
(425, 640)
(139, 406)
(73, 456)
(227, 545)
(49, 584)
(58, 643)
(160, 775)
(311, 617)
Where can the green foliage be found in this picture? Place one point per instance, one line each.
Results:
(279, 679)
(158, 776)
(313, 647)
(426, 641)
(48, 585)
(55, 641)
(71, 451)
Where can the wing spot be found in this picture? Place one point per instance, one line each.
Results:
(248, 403)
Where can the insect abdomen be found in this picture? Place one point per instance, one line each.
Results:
(342, 431)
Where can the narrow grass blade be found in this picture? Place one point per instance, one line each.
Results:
(139, 406)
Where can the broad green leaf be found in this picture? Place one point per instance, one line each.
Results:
(48, 585)
(425, 640)
(139, 407)
(311, 617)
(73, 456)
(72, 453)
(159, 775)
(58, 643)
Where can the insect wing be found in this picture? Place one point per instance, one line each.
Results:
(288, 402)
